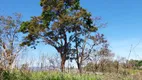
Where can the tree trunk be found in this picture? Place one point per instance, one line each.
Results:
(63, 60)
(79, 67)
(117, 67)
(63, 65)
(102, 67)
(96, 67)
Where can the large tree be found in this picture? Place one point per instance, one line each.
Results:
(60, 23)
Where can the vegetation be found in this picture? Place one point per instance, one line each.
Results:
(70, 29)
(47, 75)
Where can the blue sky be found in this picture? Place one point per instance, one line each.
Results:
(123, 17)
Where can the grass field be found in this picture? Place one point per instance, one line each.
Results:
(53, 75)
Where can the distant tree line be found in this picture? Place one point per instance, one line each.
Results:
(113, 66)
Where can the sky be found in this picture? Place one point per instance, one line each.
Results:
(123, 18)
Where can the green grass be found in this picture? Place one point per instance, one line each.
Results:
(17, 75)
(52, 75)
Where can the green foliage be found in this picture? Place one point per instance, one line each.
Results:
(58, 19)
(135, 64)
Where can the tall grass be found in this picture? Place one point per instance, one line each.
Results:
(54, 75)
(19, 75)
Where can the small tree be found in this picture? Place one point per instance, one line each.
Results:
(9, 40)
(105, 55)
(100, 59)
(86, 47)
